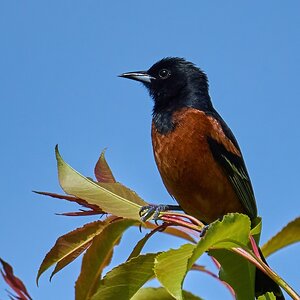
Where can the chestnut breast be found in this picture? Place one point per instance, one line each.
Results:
(188, 169)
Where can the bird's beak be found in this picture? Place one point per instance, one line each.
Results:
(141, 76)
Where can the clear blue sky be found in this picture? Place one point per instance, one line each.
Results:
(58, 84)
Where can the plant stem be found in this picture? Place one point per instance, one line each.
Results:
(182, 215)
(179, 222)
(266, 269)
(203, 269)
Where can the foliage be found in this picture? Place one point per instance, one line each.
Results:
(14, 282)
(227, 241)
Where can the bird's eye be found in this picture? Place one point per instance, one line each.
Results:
(164, 73)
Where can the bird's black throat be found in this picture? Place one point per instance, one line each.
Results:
(163, 122)
(163, 114)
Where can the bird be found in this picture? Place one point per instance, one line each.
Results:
(196, 153)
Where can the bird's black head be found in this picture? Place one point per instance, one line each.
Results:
(174, 83)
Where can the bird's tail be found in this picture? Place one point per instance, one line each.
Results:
(264, 284)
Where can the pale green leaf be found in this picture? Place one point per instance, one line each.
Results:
(75, 184)
(169, 230)
(267, 296)
(176, 262)
(96, 257)
(256, 226)
(125, 280)
(290, 234)
(139, 246)
(160, 294)
(124, 192)
(232, 231)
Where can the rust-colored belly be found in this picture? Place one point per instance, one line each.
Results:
(189, 171)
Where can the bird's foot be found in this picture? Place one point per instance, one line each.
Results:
(153, 210)
(203, 231)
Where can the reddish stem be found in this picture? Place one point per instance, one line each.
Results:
(202, 269)
(254, 247)
(191, 218)
(174, 220)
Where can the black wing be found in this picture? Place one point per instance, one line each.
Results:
(235, 169)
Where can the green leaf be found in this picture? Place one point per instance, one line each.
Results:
(125, 280)
(256, 225)
(70, 246)
(232, 231)
(75, 184)
(290, 234)
(237, 272)
(160, 294)
(102, 170)
(267, 296)
(175, 261)
(169, 230)
(139, 246)
(96, 257)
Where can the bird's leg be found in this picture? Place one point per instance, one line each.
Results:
(154, 210)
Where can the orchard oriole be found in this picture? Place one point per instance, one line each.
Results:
(196, 153)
